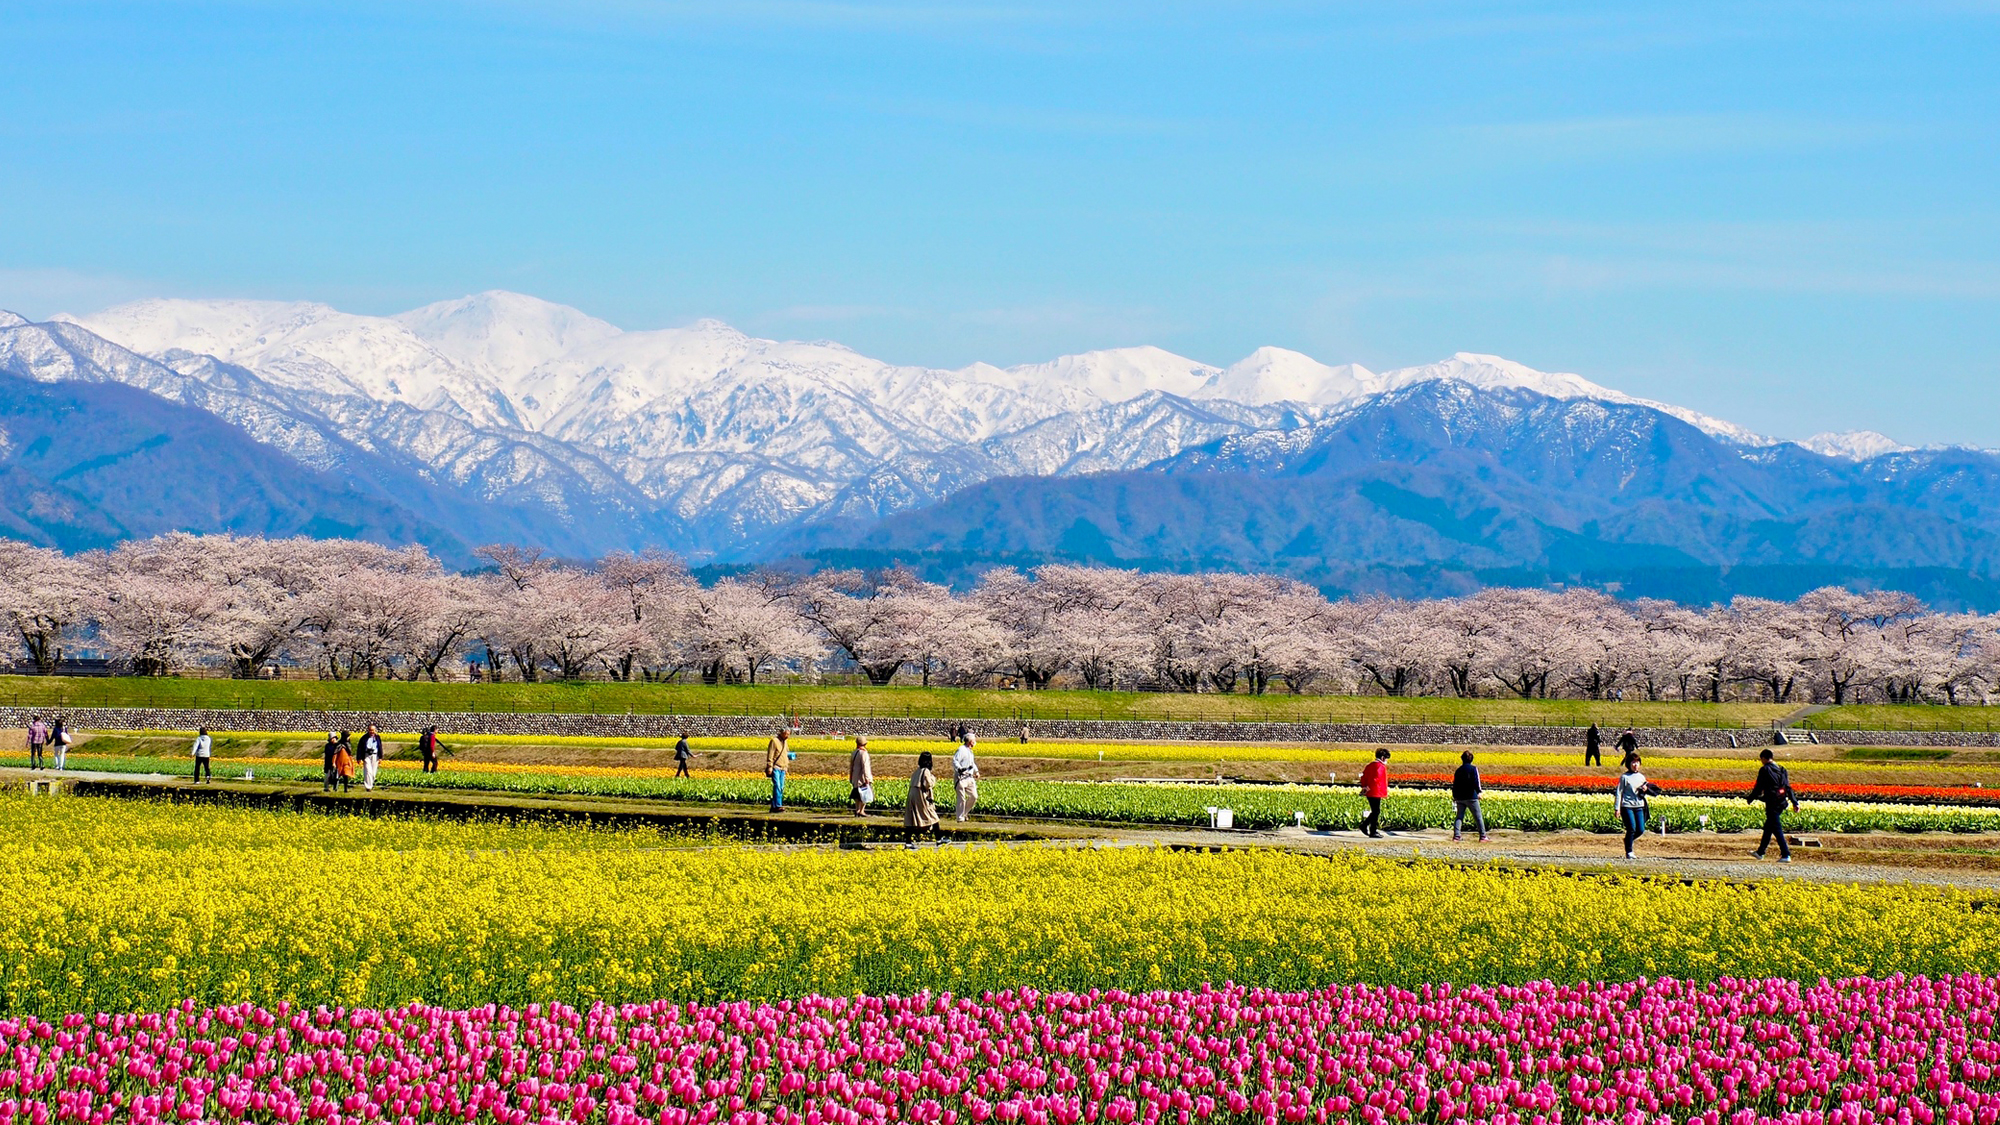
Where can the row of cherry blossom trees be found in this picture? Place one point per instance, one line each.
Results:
(345, 609)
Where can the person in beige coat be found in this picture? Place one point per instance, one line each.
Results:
(920, 811)
(861, 775)
(777, 755)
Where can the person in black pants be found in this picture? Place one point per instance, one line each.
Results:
(1374, 787)
(1774, 788)
(1628, 744)
(1465, 791)
(326, 763)
(681, 756)
(203, 747)
(1593, 746)
(428, 744)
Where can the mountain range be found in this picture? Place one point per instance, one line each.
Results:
(500, 417)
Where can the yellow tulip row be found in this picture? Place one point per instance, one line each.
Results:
(1352, 756)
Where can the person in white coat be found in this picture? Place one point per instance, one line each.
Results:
(204, 747)
(965, 777)
(371, 756)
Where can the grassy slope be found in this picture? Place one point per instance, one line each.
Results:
(1892, 717)
(949, 703)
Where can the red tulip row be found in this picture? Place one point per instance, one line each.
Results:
(1602, 783)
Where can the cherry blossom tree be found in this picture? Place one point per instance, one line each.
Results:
(745, 629)
(1026, 613)
(352, 609)
(46, 597)
(861, 615)
(655, 586)
(159, 603)
(1101, 620)
(1390, 645)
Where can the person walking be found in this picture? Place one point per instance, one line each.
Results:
(1774, 788)
(1375, 786)
(1629, 798)
(60, 737)
(1593, 746)
(371, 757)
(1628, 744)
(427, 745)
(920, 808)
(203, 747)
(776, 756)
(1465, 791)
(861, 775)
(343, 761)
(38, 737)
(965, 777)
(326, 756)
(681, 756)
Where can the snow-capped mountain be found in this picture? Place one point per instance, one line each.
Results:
(1443, 486)
(1854, 445)
(726, 439)
(303, 346)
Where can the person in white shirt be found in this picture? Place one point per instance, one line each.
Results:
(203, 747)
(1629, 798)
(965, 779)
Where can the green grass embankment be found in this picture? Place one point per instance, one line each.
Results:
(859, 702)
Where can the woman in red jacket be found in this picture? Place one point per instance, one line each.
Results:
(1375, 786)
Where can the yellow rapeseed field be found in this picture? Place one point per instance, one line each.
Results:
(121, 905)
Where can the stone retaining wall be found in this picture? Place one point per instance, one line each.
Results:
(668, 726)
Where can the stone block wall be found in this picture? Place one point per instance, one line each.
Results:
(994, 730)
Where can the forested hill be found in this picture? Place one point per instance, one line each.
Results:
(1444, 487)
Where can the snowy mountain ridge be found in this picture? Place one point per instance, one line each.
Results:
(728, 439)
(507, 358)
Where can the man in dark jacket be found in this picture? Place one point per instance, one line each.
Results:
(1593, 747)
(1628, 744)
(1465, 791)
(326, 762)
(1774, 788)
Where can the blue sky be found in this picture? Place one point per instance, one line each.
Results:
(1785, 214)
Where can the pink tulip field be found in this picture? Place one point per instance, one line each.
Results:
(1851, 1052)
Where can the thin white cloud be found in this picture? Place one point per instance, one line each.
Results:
(1590, 139)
